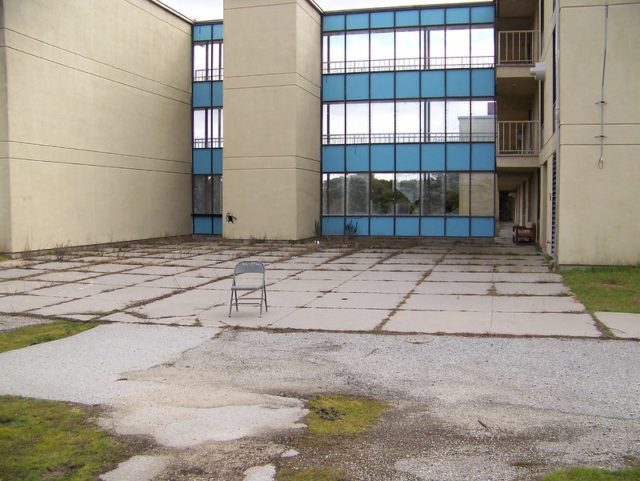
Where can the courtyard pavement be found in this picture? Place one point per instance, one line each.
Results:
(453, 287)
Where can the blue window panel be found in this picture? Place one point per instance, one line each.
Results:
(357, 21)
(382, 85)
(407, 85)
(331, 23)
(432, 16)
(432, 226)
(202, 94)
(382, 20)
(361, 224)
(217, 225)
(433, 83)
(202, 225)
(457, 15)
(217, 31)
(202, 161)
(457, 227)
(483, 156)
(201, 32)
(432, 157)
(382, 157)
(458, 83)
(482, 82)
(408, 157)
(407, 226)
(381, 226)
(333, 158)
(481, 14)
(358, 86)
(458, 156)
(217, 161)
(357, 158)
(216, 94)
(407, 18)
(333, 225)
(482, 227)
(332, 87)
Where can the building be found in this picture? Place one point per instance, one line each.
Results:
(427, 121)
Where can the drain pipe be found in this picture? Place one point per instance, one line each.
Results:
(602, 102)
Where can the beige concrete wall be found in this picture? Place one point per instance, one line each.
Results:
(272, 118)
(99, 121)
(5, 199)
(598, 221)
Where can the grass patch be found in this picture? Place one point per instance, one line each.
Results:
(342, 415)
(612, 289)
(50, 440)
(4, 257)
(311, 474)
(592, 474)
(39, 333)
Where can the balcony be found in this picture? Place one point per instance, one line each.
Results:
(517, 47)
(518, 143)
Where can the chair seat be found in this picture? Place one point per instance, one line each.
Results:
(250, 284)
(246, 287)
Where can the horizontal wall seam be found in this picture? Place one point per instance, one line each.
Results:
(160, 19)
(100, 76)
(287, 156)
(261, 6)
(78, 149)
(98, 61)
(272, 86)
(102, 166)
(228, 77)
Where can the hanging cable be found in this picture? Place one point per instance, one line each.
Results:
(602, 102)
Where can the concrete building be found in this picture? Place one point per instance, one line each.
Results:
(421, 121)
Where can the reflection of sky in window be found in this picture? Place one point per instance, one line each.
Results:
(381, 45)
(357, 46)
(381, 117)
(199, 57)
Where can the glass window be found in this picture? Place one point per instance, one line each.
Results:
(381, 194)
(482, 48)
(357, 52)
(382, 122)
(408, 121)
(382, 50)
(483, 120)
(407, 50)
(435, 121)
(458, 128)
(203, 194)
(433, 193)
(407, 194)
(334, 118)
(357, 194)
(482, 194)
(457, 194)
(357, 122)
(336, 54)
(333, 194)
(217, 194)
(435, 48)
(458, 49)
(200, 62)
(199, 126)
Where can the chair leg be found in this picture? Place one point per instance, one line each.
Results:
(266, 306)
(230, 303)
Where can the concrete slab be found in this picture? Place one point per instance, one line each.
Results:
(133, 294)
(138, 468)
(85, 305)
(325, 275)
(403, 267)
(443, 302)
(65, 276)
(622, 324)
(358, 301)
(246, 316)
(107, 268)
(476, 288)
(294, 285)
(61, 265)
(8, 323)
(24, 303)
(449, 322)
(333, 319)
(531, 289)
(18, 286)
(534, 304)
(462, 268)
(388, 276)
(382, 287)
(210, 273)
(527, 277)
(343, 267)
(544, 324)
(160, 270)
(122, 280)
(176, 282)
(71, 290)
(287, 299)
(460, 277)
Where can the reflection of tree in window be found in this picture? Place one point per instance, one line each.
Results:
(207, 194)
(457, 194)
(381, 194)
(407, 194)
(357, 194)
(433, 193)
(333, 193)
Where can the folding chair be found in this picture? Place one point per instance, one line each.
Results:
(249, 267)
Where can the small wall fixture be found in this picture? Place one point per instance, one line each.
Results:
(539, 71)
(231, 219)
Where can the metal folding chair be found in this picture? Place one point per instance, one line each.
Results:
(249, 267)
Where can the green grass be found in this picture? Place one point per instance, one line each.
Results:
(38, 333)
(4, 257)
(311, 474)
(49, 440)
(342, 415)
(612, 289)
(591, 474)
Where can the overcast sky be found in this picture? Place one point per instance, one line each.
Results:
(212, 9)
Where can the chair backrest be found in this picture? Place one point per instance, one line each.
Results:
(249, 267)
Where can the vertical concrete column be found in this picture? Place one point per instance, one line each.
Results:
(5, 205)
(271, 181)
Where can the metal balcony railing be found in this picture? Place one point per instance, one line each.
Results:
(519, 137)
(390, 64)
(208, 143)
(204, 75)
(412, 137)
(519, 47)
